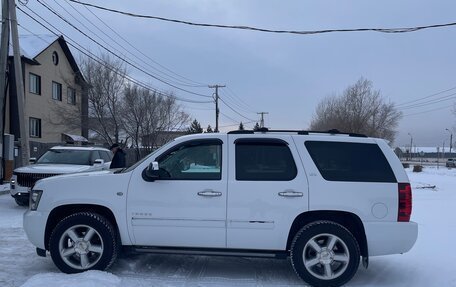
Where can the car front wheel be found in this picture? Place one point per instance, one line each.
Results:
(83, 241)
(325, 253)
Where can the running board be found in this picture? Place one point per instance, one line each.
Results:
(213, 252)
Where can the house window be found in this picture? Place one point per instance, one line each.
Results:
(35, 127)
(71, 96)
(34, 84)
(56, 91)
(55, 58)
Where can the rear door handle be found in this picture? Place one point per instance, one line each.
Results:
(291, 193)
(209, 193)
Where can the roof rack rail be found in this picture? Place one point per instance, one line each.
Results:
(299, 132)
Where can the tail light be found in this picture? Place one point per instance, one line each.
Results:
(405, 202)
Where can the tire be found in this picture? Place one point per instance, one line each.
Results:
(21, 201)
(83, 241)
(325, 253)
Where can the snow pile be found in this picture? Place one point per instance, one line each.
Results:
(86, 279)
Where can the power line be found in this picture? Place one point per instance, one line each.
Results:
(100, 61)
(242, 27)
(228, 117)
(114, 48)
(240, 99)
(184, 80)
(237, 103)
(223, 101)
(236, 124)
(428, 111)
(426, 97)
(429, 102)
(117, 56)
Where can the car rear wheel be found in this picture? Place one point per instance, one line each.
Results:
(83, 241)
(325, 253)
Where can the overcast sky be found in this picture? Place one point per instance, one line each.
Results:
(285, 75)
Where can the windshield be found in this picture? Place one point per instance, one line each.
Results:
(146, 157)
(65, 156)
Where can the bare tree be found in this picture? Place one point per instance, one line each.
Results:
(106, 81)
(360, 109)
(149, 117)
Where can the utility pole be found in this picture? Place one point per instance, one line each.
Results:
(19, 83)
(4, 48)
(451, 140)
(411, 145)
(262, 118)
(217, 111)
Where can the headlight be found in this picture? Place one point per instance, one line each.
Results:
(13, 182)
(35, 196)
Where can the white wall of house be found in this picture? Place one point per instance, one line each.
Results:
(42, 106)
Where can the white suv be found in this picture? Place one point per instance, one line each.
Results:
(326, 200)
(57, 160)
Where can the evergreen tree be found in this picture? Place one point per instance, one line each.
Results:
(195, 128)
(241, 127)
(209, 129)
(256, 127)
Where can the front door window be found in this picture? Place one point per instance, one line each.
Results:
(192, 162)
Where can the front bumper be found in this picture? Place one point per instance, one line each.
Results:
(385, 238)
(16, 189)
(35, 226)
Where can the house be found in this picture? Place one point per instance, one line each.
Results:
(55, 104)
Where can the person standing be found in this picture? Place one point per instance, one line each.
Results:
(118, 161)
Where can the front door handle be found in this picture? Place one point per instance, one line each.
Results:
(291, 193)
(209, 193)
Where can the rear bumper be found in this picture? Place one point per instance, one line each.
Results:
(385, 238)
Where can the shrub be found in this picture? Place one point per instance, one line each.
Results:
(417, 168)
(405, 165)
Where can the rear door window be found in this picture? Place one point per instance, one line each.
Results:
(264, 160)
(358, 162)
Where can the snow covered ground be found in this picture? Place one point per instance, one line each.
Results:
(432, 262)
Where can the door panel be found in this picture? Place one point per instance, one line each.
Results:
(260, 212)
(187, 206)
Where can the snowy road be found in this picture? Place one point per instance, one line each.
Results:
(430, 263)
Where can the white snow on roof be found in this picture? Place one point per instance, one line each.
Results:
(32, 45)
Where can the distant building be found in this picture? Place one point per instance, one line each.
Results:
(53, 83)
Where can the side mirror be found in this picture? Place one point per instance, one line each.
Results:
(151, 172)
(98, 161)
(32, 160)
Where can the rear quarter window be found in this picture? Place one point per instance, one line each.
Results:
(356, 162)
